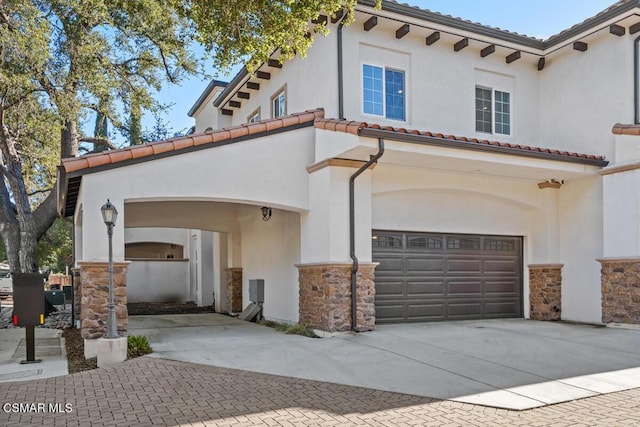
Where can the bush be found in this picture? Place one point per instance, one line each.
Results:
(137, 345)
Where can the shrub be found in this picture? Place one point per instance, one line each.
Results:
(295, 329)
(137, 345)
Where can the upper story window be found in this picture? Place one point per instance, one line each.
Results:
(383, 92)
(254, 117)
(493, 111)
(279, 103)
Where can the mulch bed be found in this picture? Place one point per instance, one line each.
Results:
(150, 308)
(74, 344)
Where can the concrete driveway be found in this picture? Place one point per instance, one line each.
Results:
(513, 364)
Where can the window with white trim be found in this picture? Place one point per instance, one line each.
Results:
(383, 92)
(493, 111)
(254, 117)
(279, 103)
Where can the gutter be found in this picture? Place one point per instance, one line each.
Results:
(352, 234)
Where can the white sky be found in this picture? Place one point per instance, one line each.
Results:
(536, 18)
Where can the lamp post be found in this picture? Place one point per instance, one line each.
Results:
(109, 215)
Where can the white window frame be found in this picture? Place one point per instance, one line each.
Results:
(493, 110)
(280, 94)
(254, 117)
(384, 88)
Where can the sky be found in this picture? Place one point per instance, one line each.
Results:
(535, 18)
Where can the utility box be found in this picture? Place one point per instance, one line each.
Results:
(28, 299)
(256, 290)
(55, 297)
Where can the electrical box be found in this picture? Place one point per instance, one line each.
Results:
(28, 299)
(54, 297)
(256, 290)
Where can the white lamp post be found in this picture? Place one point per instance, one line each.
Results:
(109, 215)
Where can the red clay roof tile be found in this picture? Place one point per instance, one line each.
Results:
(620, 129)
(184, 142)
(355, 127)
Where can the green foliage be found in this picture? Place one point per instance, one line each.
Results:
(290, 329)
(235, 30)
(138, 345)
(55, 247)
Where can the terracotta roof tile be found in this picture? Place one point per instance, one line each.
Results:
(119, 156)
(185, 142)
(162, 147)
(620, 129)
(356, 127)
(140, 151)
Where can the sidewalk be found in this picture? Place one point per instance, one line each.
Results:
(49, 347)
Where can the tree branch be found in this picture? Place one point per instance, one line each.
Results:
(97, 141)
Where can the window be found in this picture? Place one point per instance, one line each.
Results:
(254, 117)
(383, 92)
(493, 111)
(279, 103)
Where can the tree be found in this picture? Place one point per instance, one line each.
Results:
(61, 59)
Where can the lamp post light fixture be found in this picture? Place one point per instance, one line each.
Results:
(109, 215)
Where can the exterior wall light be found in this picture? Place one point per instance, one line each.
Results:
(266, 213)
(109, 215)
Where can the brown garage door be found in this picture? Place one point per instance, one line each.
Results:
(427, 276)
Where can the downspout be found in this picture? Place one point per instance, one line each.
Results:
(636, 80)
(352, 233)
(340, 74)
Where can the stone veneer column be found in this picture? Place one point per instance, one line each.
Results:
(545, 291)
(325, 296)
(620, 283)
(94, 297)
(234, 289)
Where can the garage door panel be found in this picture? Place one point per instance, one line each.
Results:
(389, 264)
(389, 288)
(425, 288)
(506, 308)
(431, 276)
(508, 266)
(462, 288)
(464, 266)
(390, 313)
(463, 309)
(424, 265)
(499, 287)
(433, 310)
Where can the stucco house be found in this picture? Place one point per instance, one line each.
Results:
(413, 167)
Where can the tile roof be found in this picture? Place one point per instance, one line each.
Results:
(356, 128)
(620, 129)
(80, 164)
(457, 18)
(587, 21)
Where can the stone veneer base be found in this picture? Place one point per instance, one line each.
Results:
(94, 298)
(620, 284)
(325, 296)
(234, 289)
(545, 291)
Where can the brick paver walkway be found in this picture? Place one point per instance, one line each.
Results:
(149, 391)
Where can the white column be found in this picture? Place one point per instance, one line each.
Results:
(546, 239)
(325, 228)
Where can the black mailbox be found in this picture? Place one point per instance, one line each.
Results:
(28, 299)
